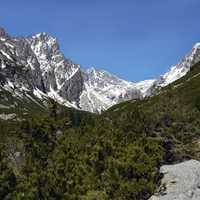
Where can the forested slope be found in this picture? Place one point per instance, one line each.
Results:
(67, 154)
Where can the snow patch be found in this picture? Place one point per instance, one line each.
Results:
(6, 55)
(38, 93)
(54, 95)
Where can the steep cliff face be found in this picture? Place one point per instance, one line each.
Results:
(59, 74)
(19, 64)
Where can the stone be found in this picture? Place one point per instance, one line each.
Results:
(181, 182)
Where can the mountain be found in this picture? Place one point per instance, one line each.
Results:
(34, 68)
(117, 154)
(102, 90)
(48, 73)
(177, 71)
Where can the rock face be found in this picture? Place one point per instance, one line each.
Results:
(37, 65)
(180, 182)
(59, 74)
(102, 90)
(15, 68)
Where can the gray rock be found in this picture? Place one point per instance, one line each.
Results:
(180, 182)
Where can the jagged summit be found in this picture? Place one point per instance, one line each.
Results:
(41, 35)
(46, 73)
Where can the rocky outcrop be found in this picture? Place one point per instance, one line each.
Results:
(17, 61)
(180, 182)
(59, 74)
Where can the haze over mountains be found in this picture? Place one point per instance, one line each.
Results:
(35, 69)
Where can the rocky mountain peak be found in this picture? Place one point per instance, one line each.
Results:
(50, 74)
(42, 43)
(42, 36)
(197, 45)
(177, 71)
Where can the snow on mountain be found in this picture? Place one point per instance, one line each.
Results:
(181, 69)
(144, 86)
(36, 65)
(176, 71)
(102, 90)
(56, 70)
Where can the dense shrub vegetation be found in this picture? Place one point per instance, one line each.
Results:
(73, 155)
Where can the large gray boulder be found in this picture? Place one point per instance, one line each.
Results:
(180, 182)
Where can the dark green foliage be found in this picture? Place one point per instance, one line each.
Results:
(7, 178)
(102, 162)
(68, 154)
(197, 102)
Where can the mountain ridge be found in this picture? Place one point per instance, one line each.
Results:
(50, 75)
(115, 155)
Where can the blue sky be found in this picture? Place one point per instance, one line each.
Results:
(134, 39)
